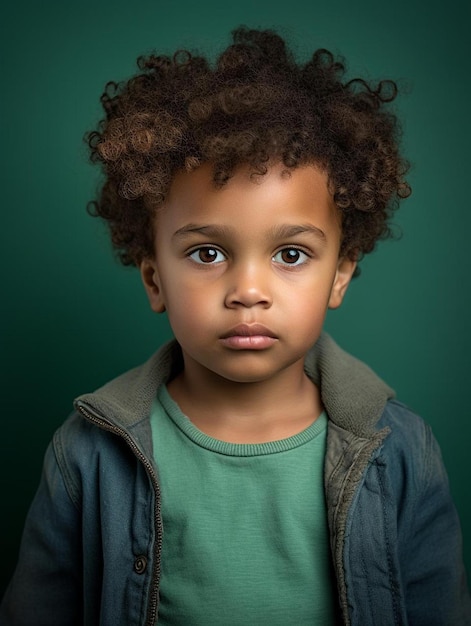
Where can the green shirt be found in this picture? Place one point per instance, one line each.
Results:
(245, 530)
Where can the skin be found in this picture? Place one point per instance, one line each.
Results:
(256, 252)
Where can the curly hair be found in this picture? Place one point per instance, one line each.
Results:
(254, 105)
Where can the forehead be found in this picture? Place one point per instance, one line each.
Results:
(280, 196)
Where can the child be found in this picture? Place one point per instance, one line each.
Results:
(251, 472)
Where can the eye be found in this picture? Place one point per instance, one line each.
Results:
(290, 256)
(207, 255)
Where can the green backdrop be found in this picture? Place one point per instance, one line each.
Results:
(72, 317)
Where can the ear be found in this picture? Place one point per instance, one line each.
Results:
(343, 276)
(152, 285)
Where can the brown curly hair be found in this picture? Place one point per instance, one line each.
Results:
(256, 104)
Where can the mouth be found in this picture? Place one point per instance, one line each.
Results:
(249, 330)
(249, 337)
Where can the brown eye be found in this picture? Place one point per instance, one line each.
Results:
(207, 255)
(290, 256)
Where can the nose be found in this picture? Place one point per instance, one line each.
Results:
(248, 286)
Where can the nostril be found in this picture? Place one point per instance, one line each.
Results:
(248, 298)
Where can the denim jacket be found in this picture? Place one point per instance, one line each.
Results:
(91, 546)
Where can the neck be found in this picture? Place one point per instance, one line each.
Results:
(253, 412)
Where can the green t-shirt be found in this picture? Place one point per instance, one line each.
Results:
(245, 530)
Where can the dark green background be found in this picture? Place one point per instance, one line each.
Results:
(72, 317)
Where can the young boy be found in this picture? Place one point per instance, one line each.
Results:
(251, 472)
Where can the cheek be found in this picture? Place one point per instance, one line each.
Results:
(311, 303)
(189, 308)
(186, 295)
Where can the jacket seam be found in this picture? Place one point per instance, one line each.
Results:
(388, 548)
(69, 483)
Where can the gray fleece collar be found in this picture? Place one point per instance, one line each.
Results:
(353, 395)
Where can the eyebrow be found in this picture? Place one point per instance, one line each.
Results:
(284, 231)
(209, 230)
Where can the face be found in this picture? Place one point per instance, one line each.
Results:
(247, 272)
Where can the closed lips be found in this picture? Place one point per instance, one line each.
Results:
(249, 330)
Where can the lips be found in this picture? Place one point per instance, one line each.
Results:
(249, 337)
(249, 330)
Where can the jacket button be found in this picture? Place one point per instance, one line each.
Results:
(140, 564)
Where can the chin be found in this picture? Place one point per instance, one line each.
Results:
(248, 375)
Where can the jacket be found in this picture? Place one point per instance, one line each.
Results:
(91, 546)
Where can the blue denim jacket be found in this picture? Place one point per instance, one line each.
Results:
(91, 547)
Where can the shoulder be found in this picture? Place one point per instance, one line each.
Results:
(407, 428)
(110, 427)
(87, 455)
(403, 422)
(410, 450)
(75, 449)
(77, 441)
